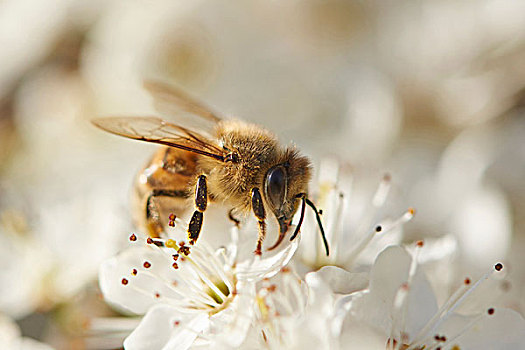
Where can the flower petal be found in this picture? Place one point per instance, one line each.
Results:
(505, 330)
(342, 281)
(232, 324)
(136, 296)
(389, 273)
(163, 327)
(252, 267)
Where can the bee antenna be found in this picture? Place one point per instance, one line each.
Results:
(318, 217)
(298, 227)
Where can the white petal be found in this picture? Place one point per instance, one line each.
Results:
(233, 323)
(139, 294)
(342, 281)
(31, 344)
(505, 330)
(158, 330)
(483, 226)
(357, 336)
(390, 271)
(251, 267)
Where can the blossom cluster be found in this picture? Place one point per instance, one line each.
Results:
(374, 291)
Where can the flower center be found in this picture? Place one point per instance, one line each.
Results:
(221, 286)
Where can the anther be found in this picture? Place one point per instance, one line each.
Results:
(379, 228)
(490, 311)
(170, 243)
(467, 281)
(419, 243)
(157, 295)
(134, 272)
(124, 281)
(149, 240)
(133, 238)
(412, 211)
(498, 266)
(175, 257)
(176, 323)
(183, 249)
(172, 218)
(175, 265)
(147, 264)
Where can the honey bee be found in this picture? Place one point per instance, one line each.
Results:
(227, 161)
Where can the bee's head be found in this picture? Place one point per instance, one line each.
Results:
(283, 183)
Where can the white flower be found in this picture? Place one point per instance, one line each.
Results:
(292, 313)
(191, 295)
(399, 309)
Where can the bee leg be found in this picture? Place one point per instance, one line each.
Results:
(201, 201)
(153, 223)
(260, 214)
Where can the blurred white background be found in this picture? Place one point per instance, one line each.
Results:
(431, 92)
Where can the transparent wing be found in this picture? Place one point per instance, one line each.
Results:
(157, 130)
(179, 106)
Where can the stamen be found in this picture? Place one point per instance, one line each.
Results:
(133, 238)
(452, 304)
(382, 191)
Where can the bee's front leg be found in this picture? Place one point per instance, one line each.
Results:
(260, 214)
(201, 201)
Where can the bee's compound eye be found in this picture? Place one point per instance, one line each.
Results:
(276, 183)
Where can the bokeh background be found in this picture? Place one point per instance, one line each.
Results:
(431, 92)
